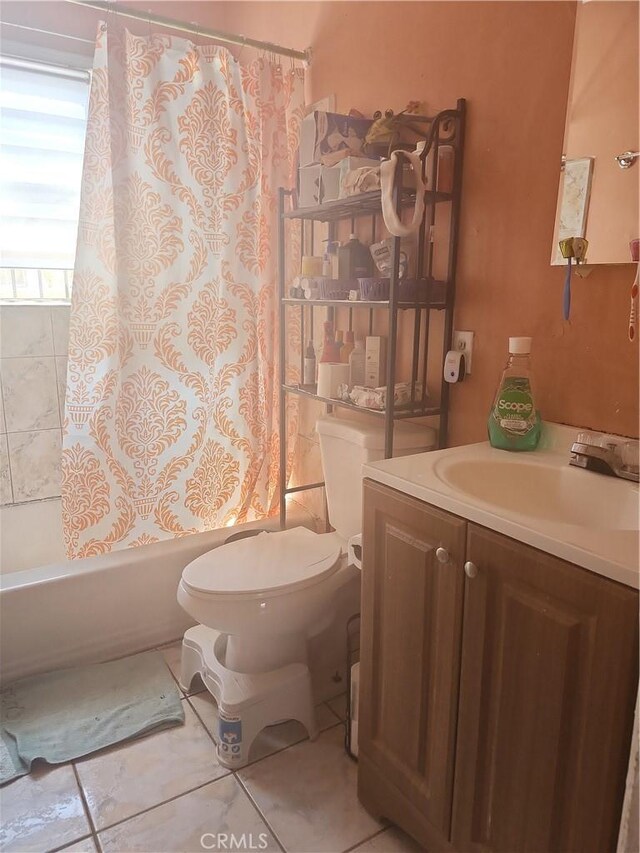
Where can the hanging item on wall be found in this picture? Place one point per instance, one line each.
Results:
(387, 178)
(404, 129)
(634, 248)
(572, 249)
(574, 201)
(323, 134)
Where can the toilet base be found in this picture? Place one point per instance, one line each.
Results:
(247, 702)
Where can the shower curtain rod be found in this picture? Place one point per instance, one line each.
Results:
(194, 29)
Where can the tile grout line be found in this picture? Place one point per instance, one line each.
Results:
(334, 712)
(162, 803)
(6, 438)
(143, 651)
(260, 814)
(44, 429)
(69, 843)
(53, 343)
(290, 746)
(85, 805)
(355, 846)
(32, 355)
(201, 721)
(55, 372)
(4, 417)
(275, 752)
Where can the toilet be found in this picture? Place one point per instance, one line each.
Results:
(258, 600)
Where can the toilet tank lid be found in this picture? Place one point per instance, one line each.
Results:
(405, 436)
(267, 562)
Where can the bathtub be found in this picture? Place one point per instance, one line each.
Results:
(71, 612)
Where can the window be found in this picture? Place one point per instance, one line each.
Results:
(43, 113)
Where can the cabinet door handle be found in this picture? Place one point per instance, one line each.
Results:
(442, 555)
(470, 569)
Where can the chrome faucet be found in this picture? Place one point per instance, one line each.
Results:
(606, 454)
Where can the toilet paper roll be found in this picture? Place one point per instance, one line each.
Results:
(330, 375)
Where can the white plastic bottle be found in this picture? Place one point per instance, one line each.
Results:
(356, 364)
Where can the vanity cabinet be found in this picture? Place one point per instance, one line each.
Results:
(496, 702)
(410, 649)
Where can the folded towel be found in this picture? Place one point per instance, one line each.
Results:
(69, 713)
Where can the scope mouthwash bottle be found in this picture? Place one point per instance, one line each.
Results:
(514, 422)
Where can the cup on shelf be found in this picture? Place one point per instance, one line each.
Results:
(374, 289)
(316, 287)
(325, 287)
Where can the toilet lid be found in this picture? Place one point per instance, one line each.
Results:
(263, 563)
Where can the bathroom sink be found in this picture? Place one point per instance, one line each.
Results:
(560, 494)
(583, 517)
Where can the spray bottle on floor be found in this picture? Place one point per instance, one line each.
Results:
(514, 422)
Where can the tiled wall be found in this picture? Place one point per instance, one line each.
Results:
(33, 368)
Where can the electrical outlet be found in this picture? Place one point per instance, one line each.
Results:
(463, 341)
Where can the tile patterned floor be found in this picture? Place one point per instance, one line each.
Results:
(167, 792)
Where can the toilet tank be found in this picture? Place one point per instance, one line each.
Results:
(345, 447)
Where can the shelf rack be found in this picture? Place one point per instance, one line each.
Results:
(359, 205)
(446, 129)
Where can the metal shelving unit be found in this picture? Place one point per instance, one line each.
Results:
(417, 410)
(446, 129)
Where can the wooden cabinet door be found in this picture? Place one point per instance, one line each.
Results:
(410, 651)
(548, 682)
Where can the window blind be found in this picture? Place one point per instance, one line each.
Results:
(43, 118)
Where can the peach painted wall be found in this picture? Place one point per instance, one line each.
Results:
(511, 60)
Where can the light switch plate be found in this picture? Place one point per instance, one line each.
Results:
(463, 341)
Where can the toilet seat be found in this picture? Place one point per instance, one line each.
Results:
(270, 563)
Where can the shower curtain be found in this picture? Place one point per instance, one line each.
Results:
(171, 417)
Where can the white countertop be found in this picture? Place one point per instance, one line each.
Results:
(597, 531)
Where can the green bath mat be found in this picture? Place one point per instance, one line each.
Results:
(69, 713)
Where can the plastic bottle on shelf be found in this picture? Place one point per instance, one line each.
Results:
(330, 260)
(329, 350)
(357, 364)
(347, 347)
(309, 371)
(354, 260)
(514, 422)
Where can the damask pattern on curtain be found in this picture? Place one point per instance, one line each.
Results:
(171, 418)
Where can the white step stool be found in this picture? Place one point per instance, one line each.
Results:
(247, 702)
